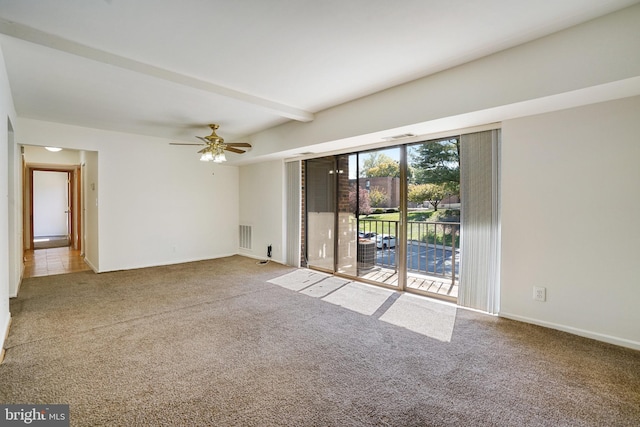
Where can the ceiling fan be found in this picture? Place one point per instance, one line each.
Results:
(215, 146)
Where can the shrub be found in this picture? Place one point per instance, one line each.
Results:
(447, 215)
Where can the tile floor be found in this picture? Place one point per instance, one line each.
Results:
(46, 262)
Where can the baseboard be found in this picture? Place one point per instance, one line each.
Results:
(261, 258)
(622, 342)
(15, 295)
(173, 262)
(6, 328)
(93, 267)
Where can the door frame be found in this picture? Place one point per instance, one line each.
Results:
(75, 201)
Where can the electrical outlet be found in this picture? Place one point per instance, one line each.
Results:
(539, 293)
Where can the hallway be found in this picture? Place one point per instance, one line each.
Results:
(47, 262)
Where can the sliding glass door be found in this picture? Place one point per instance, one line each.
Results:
(347, 224)
(393, 217)
(357, 205)
(376, 193)
(433, 219)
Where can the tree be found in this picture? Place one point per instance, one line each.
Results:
(378, 197)
(432, 193)
(379, 164)
(438, 162)
(363, 206)
(387, 168)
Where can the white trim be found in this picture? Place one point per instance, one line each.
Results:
(261, 258)
(163, 264)
(575, 331)
(4, 336)
(22, 269)
(93, 267)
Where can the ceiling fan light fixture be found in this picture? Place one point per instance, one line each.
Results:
(207, 156)
(220, 157)
(215, 147)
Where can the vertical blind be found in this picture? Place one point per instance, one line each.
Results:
(480, 237)
(293, 197)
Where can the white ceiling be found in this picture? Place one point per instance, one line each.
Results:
(167, 68)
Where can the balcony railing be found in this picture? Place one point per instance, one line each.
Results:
(432, 247)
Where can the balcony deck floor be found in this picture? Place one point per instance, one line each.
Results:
(424, 283)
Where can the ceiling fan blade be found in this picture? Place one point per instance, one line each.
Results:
(203, 140)
(238, 144)
(234, 150)
(204, 150)
(182, 143)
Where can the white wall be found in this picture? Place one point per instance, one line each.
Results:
(570, 201)
(9, 263)
(156, 204)
(91, 229)
(16, 247)
(261, 207)
(41, 156)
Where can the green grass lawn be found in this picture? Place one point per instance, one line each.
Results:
(427, 215)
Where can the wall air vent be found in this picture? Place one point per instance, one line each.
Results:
(245, 237)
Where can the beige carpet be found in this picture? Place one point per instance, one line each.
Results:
(230, 342)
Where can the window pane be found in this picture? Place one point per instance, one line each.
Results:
(321, 202)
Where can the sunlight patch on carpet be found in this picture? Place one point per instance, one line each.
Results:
(361, 298)
(299, 279)
(324, 287)
(432, 318)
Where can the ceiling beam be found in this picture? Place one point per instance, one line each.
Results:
(51, 41)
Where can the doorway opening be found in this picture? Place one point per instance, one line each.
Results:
(52, 220)
(51, 207)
